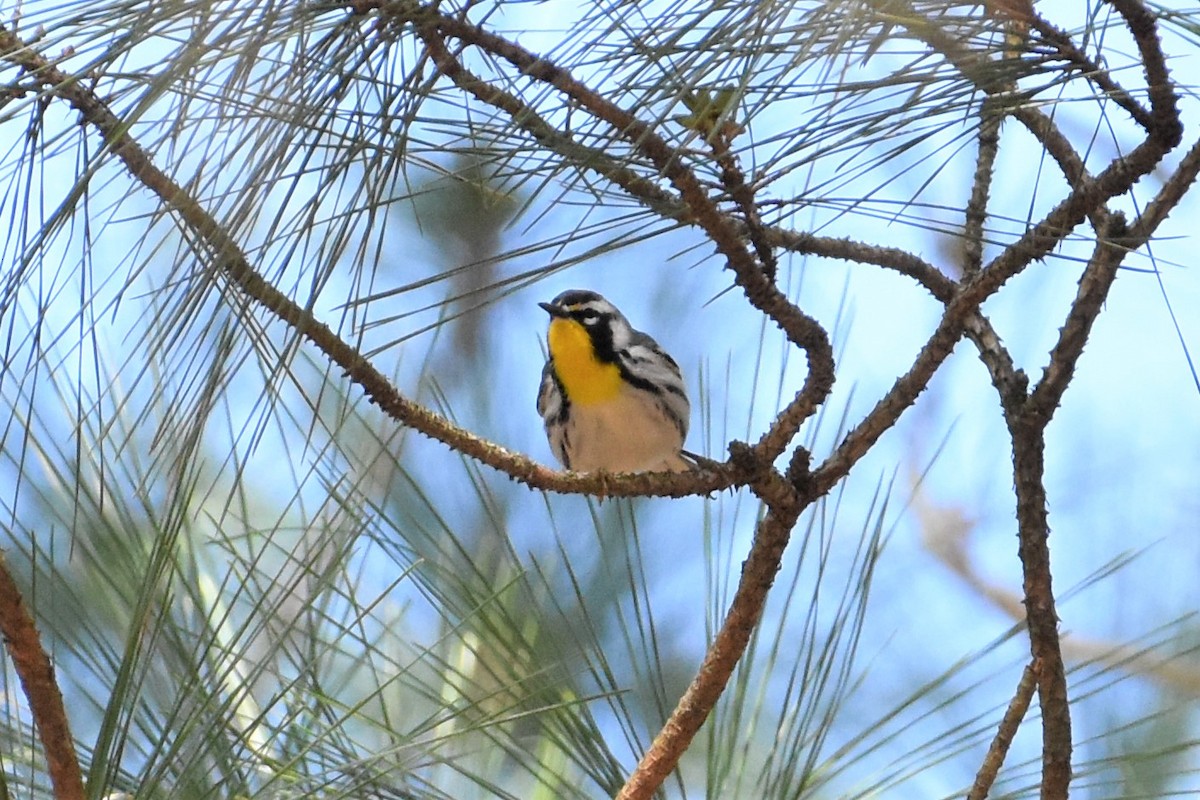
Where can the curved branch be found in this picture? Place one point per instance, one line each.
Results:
(938, 284)
(1143, 25)
(1066, 49)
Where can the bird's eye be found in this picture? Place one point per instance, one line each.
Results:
(589, 316)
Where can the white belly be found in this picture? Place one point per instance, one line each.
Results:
(629, 434)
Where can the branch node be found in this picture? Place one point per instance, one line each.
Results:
(747, 460)
(799, 472)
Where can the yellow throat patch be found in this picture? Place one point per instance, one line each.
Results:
(585, 378)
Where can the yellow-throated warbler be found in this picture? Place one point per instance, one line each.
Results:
(610, 397)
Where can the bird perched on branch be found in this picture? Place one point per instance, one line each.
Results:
(610, 397)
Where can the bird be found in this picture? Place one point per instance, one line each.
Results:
(610, 397)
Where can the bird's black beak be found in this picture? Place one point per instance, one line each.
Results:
(553, 310)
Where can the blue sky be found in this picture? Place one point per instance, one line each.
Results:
(1124, 449)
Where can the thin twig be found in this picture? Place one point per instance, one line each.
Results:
(1089, 69)
(1006, 378)
(990, 768)
(36, 673)
(734, 181)
(991, 116)
(940, 285)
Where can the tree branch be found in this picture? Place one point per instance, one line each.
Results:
(1005, 734)
(784, 505)
(988, 138)
(1027, 424)
(41, 689)
(734, 181)
(1093, 290)
(1167, 129)
(1029, 472)
(938, 284)
(1167, 199)
(1066, 49)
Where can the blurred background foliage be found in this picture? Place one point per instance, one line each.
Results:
(255, 585)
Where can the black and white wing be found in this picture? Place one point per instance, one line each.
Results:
(648, 367)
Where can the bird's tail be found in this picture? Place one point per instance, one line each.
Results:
(678, 463)
(686, 462)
